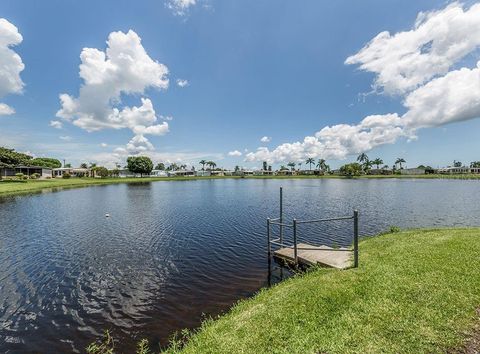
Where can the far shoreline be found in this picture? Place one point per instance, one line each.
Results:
(12, 188)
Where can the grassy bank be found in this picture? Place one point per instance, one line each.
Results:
(414, 292)
(31, 186)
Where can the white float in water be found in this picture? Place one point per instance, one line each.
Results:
(107, 215)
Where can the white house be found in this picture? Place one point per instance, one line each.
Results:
(43, 172)
(158, 173)
(203, 173)
(73, 172)
(181, 173)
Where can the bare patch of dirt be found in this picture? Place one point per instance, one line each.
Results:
(472, 345)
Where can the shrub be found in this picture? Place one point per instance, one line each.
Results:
(66, 175)
(19, 175)
(35, 176)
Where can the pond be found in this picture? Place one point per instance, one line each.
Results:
(172, 253)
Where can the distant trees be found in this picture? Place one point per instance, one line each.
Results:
(362, 158)
(377, 162)
(399, 162)
(140, 164)
(101, 171)
(457, 163)
(265, 165)
(211, 164)
(322, 165)
(351, 169)
(83, 165)
(203, 163)
(475, 164)
(366, 164)
(11, 158)
(310, 161)
(45, 162)
(291, 165)
(160, 166)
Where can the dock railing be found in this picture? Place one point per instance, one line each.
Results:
(279, 241)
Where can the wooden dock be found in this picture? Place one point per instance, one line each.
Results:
(322, 255)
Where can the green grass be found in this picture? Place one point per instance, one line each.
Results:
(32, 186)
(414, 292)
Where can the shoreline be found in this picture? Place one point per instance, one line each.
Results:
(382, 306)
(37, 186)
(414, 291)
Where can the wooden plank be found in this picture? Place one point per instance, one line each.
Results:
(323, 255)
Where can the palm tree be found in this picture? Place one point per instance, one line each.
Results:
(322, 165)
(283, 168)
(291, 165)
(399, 161)
(378, 161)
(211, 164)
(362, 157)
(203, 163)
(310, 161)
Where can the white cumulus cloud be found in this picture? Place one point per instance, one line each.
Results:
(124, 68)
(416, 64)
(408, 59)
(266, 139)
(11, 64)
(235, 153)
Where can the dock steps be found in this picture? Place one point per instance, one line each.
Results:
(340, 258)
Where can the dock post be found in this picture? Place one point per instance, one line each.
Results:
(269, 246)
(355, 238)
(281, 215)
(295, 255)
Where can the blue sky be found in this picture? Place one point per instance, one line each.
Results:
(254, 69)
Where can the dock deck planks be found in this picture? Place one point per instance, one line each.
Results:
(322, 255)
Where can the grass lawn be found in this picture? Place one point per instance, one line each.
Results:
(414, 292)
(28, 186)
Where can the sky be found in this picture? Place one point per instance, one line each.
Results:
(241, 82)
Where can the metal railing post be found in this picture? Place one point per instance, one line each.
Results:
(355, 238)
(281, 214)
(269, 247)
(295, 254)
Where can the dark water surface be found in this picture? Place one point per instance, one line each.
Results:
(172, 251)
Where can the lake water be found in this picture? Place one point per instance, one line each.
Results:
(172, 252)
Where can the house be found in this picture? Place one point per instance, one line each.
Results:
(43, 172)
(263, 173)
(181, 173)
(217, 173)
(202, 173)
(412, 171)
(73, 172)
(158, 173)
(125, 173)
(459, 170)
(285, 173)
